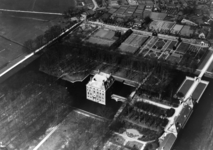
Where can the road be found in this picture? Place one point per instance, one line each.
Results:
(33, 12)
(95, 4)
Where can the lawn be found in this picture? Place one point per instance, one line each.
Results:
(185, 86)
(37, 5)
(199, 91)
(129, 49)
(99, 41)
(182, 48)
(174, 59)
(186, 31)
(139, 40)
(172, 44)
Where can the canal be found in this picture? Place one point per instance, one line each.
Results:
(198, 132)
(78, 96)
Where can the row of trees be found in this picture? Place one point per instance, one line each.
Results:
(74, 12)
(145, 119)
(152, 109)
(33, 44)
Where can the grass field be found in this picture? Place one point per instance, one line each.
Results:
(8, 51)
(37, 5)
(77, 132)
(22, 29)
(199, 90)
(16, 29)
(185, 86)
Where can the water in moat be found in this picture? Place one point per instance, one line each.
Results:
(78, 95)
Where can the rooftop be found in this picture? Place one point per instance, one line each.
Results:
(100, 80)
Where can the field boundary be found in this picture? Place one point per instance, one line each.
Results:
(33, 12)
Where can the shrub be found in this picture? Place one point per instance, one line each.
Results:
(152, 146)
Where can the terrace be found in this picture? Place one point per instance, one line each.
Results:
(182, 48)
(132, 43)
(103, 37)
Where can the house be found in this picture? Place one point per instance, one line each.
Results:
(97, 87)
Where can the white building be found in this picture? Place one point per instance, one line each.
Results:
(97, 87)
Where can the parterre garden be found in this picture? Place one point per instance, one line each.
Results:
(146, 118)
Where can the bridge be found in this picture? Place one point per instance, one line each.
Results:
(118, 98)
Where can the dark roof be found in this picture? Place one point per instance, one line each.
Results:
(168, 142)
(184, 115)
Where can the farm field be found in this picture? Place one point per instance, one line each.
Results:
(21, 29)
(77, 132)
(15, 30)
(56, 6)
(8, 51)
(28, 110)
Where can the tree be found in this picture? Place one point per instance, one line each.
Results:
(29, 46)
(152, 146)
(180, 95)
(147, 20)
(39, 41)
